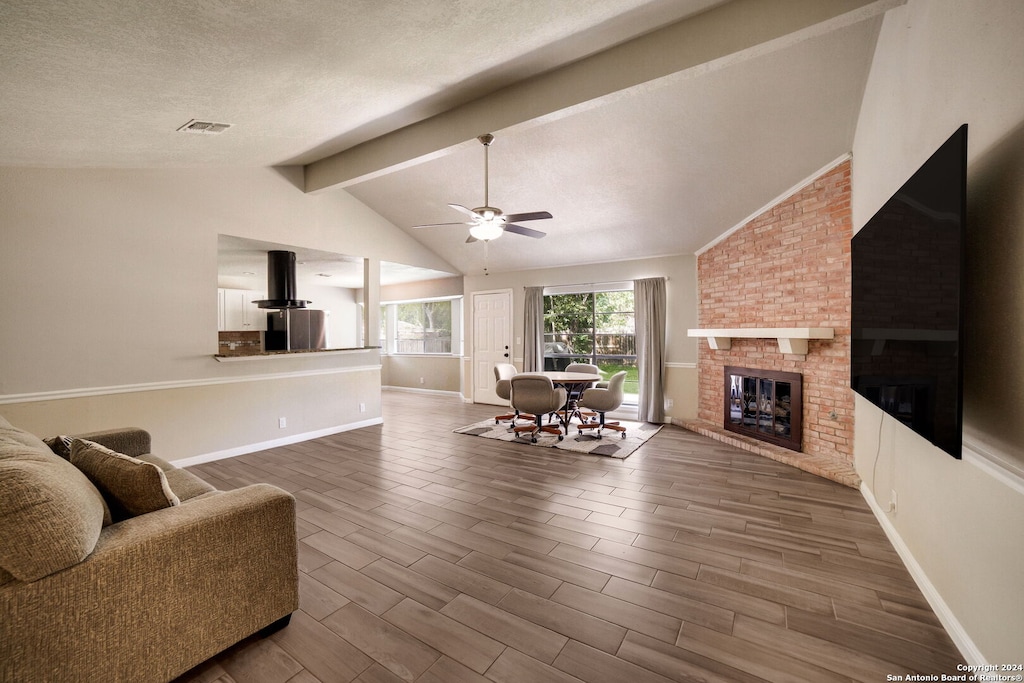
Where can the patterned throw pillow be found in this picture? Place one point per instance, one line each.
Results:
(61, 445)
(130, 486)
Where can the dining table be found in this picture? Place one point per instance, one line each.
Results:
(574, 383)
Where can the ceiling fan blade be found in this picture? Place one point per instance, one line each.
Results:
(520, 230)
(469, 212)
(531, 216)
(437, 225)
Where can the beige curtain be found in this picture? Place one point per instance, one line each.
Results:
(649, 301)
(533, 330)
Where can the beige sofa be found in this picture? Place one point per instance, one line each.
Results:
(91, 590)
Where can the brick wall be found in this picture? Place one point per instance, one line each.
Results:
(788, 267)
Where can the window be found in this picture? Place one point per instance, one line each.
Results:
(420, 327)
(592, 327)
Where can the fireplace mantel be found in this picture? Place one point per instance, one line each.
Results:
(791, 340)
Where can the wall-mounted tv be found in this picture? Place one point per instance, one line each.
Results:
(907, 297)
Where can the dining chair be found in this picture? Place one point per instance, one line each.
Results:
(537, 395)
(503, 374)
(576, 391)
(604, 401)
(587, 368)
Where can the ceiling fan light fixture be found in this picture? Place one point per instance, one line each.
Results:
(486, 230)
(487, 222)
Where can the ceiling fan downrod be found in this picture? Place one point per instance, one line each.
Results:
(486, 139)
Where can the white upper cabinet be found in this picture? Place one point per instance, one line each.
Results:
(237, 313)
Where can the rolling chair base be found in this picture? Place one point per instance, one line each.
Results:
(512, 417)
(603, 425)
(533, 430)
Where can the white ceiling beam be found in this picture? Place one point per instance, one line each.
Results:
(728, 34)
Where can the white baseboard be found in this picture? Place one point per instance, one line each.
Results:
(274, 443)
(953, 627)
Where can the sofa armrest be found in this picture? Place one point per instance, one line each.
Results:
(127, 440)
(161, 592)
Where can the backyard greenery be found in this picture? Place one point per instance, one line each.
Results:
(592, 327)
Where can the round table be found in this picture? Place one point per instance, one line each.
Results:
(572, 382)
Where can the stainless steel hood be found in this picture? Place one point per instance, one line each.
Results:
(281, 294)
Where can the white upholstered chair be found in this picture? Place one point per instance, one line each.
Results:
(536, 394)
(604, 401)
(503, 374)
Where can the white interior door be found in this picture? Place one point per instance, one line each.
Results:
(492, 341)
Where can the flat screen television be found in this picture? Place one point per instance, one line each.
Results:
(907, 296)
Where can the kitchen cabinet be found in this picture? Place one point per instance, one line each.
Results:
(236, 312)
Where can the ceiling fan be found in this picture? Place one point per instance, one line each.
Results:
(487, 222)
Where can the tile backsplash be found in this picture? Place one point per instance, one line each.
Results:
(239, 343)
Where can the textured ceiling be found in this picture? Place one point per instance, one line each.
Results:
(665, 172)
(108, 82)
(652, 168)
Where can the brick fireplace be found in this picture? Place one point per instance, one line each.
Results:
(789, 267)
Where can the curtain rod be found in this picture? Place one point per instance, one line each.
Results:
(595, 284)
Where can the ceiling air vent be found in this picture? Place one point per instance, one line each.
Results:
(204, 127)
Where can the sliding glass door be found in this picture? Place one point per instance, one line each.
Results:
(592, 327)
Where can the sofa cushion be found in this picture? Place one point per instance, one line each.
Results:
(50, 514)
(131, 487)
(11, 434)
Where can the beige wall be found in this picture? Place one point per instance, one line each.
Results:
(110, 306)
(938, 64)
(222, 418)
(424, 289)
(423, 372)
(681, 370)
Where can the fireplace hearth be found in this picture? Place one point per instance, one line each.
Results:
(765, 405)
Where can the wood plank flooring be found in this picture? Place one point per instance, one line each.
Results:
(437, 557)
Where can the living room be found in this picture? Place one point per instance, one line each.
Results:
(111, 270)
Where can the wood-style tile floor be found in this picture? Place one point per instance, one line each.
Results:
(443, 558)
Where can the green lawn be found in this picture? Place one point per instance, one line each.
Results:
(632, 383)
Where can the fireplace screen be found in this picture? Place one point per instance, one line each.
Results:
(764, 404)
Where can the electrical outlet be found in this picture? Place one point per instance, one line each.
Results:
(362, 407)
(282, 423)
(421, 380)
(669, 403)
(892, 501)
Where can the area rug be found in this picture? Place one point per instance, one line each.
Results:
(611, 444)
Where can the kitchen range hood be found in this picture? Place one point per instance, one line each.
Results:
(281, 293)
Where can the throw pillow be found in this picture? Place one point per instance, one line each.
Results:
(131, 487)
(61, 445)
(50, 514)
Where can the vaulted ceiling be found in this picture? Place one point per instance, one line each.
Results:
(645, 127)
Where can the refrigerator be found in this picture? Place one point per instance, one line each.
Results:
(296, 329)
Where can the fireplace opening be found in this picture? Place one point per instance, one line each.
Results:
(765, 405)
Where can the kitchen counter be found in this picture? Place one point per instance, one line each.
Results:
(310, 353)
